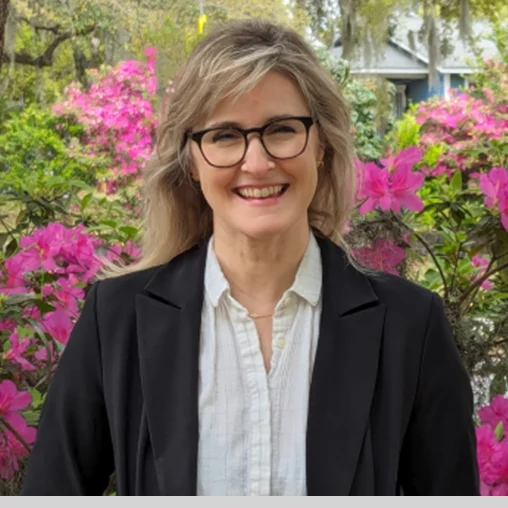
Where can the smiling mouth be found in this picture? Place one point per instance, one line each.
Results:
(261, 192)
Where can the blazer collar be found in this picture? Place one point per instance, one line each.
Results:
(345, 369)
(182, 279)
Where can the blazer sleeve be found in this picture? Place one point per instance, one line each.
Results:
(439, 450)
(72, 454)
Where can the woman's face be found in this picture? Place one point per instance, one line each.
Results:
(260, 195)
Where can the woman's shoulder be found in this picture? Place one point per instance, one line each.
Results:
(404, 299)
(119, 291)
(161, 281)
(391, 286)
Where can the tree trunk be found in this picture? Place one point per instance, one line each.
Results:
(4, 14)
(348, 27)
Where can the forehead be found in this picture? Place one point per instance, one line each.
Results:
(275, 94)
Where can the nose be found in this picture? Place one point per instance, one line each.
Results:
(256, 158)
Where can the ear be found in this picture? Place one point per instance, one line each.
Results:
(321, 155)
(194, 174)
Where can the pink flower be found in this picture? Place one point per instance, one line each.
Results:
(117, 113)
(15, 283)
(150, 52)
(130, 249)
(503, 206)
(17, 351)
(486, 446)
(11, 449)
(58, 324)
(405, 183)
(66, 294)
(480, 261)
(376, 187)
(499, 466)
(41, 355)
(384, 256)
(492, 184)
(394, 185)
(496, 412)
(12, 401)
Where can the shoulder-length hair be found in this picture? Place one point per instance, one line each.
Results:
(227, 63)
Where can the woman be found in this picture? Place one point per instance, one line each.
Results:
(245, 354)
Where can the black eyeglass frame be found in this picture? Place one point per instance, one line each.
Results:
(197, 137)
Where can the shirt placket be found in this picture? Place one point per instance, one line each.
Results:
(259, 410)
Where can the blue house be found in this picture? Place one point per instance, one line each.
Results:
(408, 69)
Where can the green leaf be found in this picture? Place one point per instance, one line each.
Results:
(499, 431)
(11, 248)
(36, 397)
(129, 231)
(7, 346)
(80, 184)
(111, 223)
(3, 238)
(456, 181)
(31, 417)
(84, 202)
(24, 332)
(44, 306)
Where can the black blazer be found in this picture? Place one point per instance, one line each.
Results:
(390, 402)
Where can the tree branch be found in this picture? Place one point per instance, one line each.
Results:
(46, 58)
(428, 248)
(16, 434)
(4, 15)
(481, 280)
(473, 294)
(39, 26)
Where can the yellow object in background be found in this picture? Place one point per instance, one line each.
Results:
(201, 22)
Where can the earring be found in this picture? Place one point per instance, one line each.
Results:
(320, 164)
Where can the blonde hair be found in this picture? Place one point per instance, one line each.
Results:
(229, 62)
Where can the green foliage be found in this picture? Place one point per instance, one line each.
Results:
(364, 97)
(46, 175)
(405, 132)
(36, 148)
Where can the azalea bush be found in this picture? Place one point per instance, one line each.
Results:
(434, 209)
(59, 228)
(42, 291)
(492, 447)
(117, 115)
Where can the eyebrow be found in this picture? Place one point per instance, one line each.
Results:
(229, 124)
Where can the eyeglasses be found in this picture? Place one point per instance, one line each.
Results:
(224, 147)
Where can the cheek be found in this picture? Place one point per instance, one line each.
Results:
(305, 172)
(215, 183)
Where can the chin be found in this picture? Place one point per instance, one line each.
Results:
(265, 229)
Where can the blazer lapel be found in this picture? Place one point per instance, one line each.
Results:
(168, 329)
(344, 375)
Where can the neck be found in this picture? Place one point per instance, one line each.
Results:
(259, 271)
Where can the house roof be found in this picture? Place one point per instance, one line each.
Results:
(397, 57)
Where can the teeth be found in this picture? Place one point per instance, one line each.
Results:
(260, 193)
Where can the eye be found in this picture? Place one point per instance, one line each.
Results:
(226, 135)
(281, 128)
